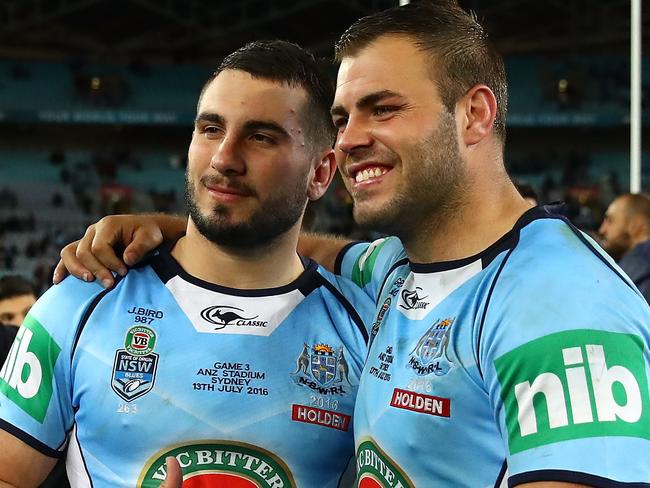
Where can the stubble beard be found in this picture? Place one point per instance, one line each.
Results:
(617, 248)
(275, 217)
(430, 191)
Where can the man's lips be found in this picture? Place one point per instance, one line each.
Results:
(227, 190)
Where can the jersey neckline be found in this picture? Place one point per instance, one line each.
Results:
(505, 242)
(167, 267)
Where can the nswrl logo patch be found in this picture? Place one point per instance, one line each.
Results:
(26, 377)
(134, 367)
(574, 384)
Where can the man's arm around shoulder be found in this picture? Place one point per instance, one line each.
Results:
(322, 248)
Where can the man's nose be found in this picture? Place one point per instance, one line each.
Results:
(227, 157)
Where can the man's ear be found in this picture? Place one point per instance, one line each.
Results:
(635, 226)
(478, 109)
(322, 174)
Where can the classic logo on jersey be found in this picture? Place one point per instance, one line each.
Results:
(322, 369)
(412, 300)
(220, 463)
(574, 384)
(223, 315)
(430, 353)
(376, 470)
(134, 368)
(26, 377)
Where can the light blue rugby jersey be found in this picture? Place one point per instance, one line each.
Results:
(527, 362)
(247, 388)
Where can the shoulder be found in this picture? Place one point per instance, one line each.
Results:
(557, 279)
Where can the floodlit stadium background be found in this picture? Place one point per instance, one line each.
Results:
(97, 99)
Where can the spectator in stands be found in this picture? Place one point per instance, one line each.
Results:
(17, 295)
(626, 237)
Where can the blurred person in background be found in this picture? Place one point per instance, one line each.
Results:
(17, 295)
(625, 233)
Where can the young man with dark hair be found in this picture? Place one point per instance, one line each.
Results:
(507, 349)
(225, 349)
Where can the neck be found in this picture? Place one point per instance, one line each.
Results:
(269, 265)
(487, 211)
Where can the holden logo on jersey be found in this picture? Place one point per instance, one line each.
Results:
(322, 369)
(223, 315)
(134, 368)
(219, 463)
(593, 384)
(412, 300)
(430, 353)
(376, 470)
(26, 377)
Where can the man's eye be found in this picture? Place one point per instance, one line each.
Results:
(340, 123)
(263, 138)
(384, 110)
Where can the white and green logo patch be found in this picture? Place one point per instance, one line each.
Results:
(376, 470)
(220, 463)
(365, 263)
(574, 384)
(140, 340)
(26, 377)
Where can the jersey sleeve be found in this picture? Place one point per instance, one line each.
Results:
(35, 380)
(565, 358)
(368, 263)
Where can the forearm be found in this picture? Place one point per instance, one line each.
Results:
(322, 248)
(171, 226)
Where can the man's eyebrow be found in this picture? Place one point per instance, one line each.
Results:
(210, 117)
(250, 126)
(255, 125)
(365, 101)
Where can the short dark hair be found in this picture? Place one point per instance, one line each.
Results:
(14, 286)
(453, 38)
(286, 62)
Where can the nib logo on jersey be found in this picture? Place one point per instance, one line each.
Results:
(376, 470)
(322, 369)
(223, 315)
(574, 384)
(220, 463)
(134, 368)
(430, 353)
(26, 377)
